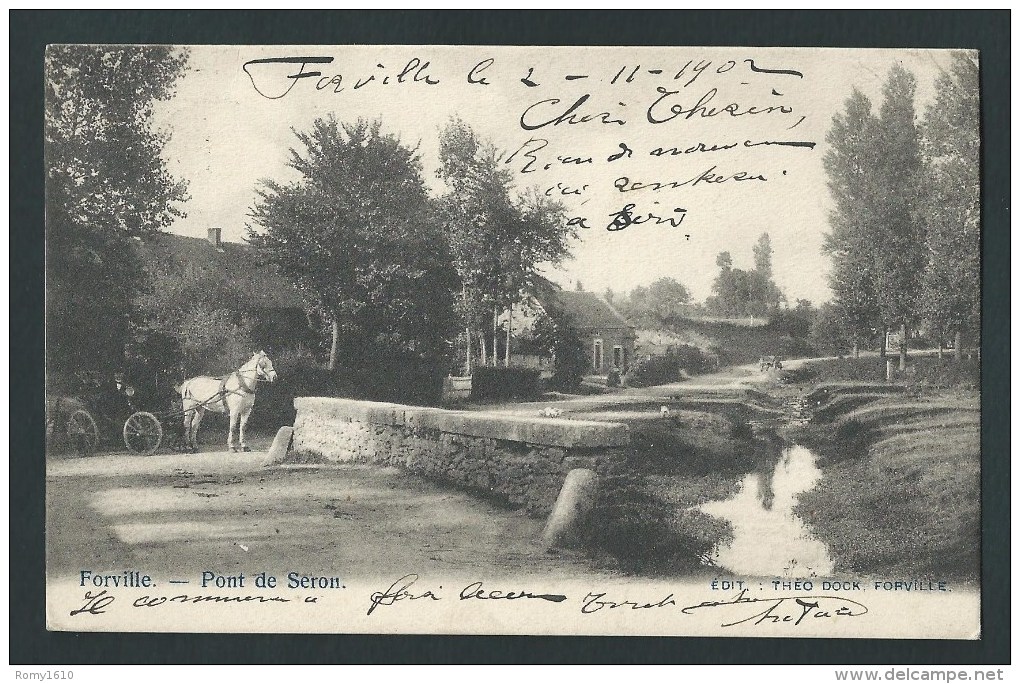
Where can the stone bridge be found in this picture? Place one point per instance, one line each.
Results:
(520, 460)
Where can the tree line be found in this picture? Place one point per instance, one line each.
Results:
(903, 237)
(398, 275)
(736, 293)
(395, 271)
(904, 234)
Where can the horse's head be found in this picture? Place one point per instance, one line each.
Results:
(264, 367)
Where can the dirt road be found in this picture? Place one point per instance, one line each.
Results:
(180, 515)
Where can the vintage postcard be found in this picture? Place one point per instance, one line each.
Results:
(513, 340)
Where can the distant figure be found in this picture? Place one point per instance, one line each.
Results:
(769, 362)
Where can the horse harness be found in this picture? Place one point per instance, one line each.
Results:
(222, 394)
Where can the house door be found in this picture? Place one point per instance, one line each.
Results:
(618, 358)
(597, 357)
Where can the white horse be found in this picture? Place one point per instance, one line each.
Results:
(233, 394)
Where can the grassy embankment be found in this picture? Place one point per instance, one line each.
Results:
(900, 491)
(647, 515)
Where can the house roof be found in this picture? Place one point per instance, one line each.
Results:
(585, 310)
(236, 263)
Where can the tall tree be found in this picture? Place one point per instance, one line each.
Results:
(763, 256)
(854, 235)
(764, 295)
(951, 298)
(356, 235)
(498, 237)
(106, 181)
(896, 197)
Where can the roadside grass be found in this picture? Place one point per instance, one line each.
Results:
(828, 391)
(693, 444)
(901, 488)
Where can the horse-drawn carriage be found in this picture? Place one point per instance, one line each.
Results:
(101, 411)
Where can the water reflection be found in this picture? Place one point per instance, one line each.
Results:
(768, 539)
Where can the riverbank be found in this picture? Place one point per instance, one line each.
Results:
(899, 487)
(649, 516)
(900, 492)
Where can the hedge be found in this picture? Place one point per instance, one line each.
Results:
(500, 384)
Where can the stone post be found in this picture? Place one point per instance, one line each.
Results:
(572, 510)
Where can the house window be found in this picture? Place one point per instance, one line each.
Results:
(597, 357)
(618, 357)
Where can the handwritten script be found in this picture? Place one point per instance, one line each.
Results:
(741, 609)
(738, 610)
(665, 130)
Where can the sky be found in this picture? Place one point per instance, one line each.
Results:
(232, 120)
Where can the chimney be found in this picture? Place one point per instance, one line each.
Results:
(214, 237)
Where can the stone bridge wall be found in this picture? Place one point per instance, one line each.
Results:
(520, 460)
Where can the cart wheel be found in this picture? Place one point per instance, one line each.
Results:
(143, 433)
(82, 432)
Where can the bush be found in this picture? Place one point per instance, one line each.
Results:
(405, 380)
(499, 384)
(793, 347)
(866, 369)
(299, 374)
(669, 367)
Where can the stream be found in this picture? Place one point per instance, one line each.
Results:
(768, 538)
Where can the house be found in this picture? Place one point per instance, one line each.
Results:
(604, 332)
(231, 271)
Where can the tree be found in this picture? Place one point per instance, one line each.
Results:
(553, 334)
(659, 306)
(357, 235)
(106, 181)
(797, 321)
(188, 320)
(896, 196)
(746, 293)
(831, 331)
(763, 256)
(951, 148)
(764, 295)
(498, 237)
(854, 236)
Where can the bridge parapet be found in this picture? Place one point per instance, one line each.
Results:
(522, 460)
